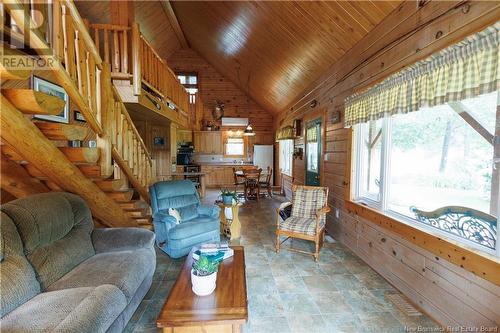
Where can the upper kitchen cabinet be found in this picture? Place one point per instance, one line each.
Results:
(208, 142)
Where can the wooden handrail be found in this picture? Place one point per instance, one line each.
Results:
(102, 26)
(77, 19)
(125, 112)
(79, 69)
(63, 77)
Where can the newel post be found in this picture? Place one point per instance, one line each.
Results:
(136, 59)
(104, 140)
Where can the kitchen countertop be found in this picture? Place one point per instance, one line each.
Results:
(223, 164)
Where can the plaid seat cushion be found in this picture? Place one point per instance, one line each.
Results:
(301, 225)
(306, 202)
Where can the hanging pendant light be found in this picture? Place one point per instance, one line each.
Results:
(249, 131)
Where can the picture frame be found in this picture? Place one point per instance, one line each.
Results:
(159, 141)
(52, 89)
(78, 116)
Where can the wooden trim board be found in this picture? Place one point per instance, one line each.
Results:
(481, 264)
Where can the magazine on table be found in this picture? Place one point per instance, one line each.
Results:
(216, 251)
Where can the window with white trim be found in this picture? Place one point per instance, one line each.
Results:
(190, 82)
(286, 156)
(435, 161)
(235, 146)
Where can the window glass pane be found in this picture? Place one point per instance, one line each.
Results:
(182, 79)
(286, 156)
(438, 159)
(370, 159)
(234, 146)
(312, 156)
(234, 149)
(192, 79)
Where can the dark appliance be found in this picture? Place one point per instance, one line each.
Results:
(185, 153)
(193, 168)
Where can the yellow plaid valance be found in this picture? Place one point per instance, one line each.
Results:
(284, 133)
(464, 70)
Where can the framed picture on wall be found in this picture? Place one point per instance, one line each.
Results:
(79, 116)
(159, 142)
(52, 89)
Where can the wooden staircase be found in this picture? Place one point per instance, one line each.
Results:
(112, 177)
(84, 158)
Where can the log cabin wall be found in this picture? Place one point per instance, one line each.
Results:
(447, 292)
(149, 129)
(214, 86)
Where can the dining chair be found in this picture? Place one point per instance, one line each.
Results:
(238, 181)
(267, 182)
(252, 184)
(307, 220)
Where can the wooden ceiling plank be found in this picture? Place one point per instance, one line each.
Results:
(172, 18)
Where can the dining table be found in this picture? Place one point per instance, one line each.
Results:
(240, 173)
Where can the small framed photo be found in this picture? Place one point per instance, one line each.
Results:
(79, 117)
(159, 141)
(52, 89)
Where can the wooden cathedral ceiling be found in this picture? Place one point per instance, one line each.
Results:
(150, 15)
(271, 50)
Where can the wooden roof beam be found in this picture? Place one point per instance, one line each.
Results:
(172, 18)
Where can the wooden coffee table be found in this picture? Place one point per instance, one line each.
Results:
(224, 311)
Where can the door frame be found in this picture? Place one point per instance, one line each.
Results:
(317, 114)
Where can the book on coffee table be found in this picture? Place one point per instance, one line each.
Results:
(214, 255)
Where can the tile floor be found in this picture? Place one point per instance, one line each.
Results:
(289, 292)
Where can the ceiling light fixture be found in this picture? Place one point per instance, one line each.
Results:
(249, 131)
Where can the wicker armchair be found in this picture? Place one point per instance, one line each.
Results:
(307, 220)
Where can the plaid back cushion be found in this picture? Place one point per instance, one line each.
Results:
(306, 202)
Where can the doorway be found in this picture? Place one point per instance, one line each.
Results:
(313, 152)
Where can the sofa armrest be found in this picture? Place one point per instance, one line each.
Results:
(212, 210)
(121, 239)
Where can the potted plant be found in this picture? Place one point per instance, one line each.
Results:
(204, 276)
(229, 197)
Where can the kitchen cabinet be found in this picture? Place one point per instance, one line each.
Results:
(218, 176)
(184, 136)
(208, 142)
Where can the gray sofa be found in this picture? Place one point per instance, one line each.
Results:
(59, 274)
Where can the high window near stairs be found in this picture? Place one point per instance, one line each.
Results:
(190, 82)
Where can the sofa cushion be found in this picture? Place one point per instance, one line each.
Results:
(173, 194)
(123, 269)
(18, 280)
(197, 226)
(307, 201)
(301, 225)
(91, 309)
(55, 230)
(122, 239)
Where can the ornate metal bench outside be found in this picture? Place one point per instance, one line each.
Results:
(467, 223)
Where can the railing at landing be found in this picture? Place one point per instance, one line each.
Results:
(133, 58)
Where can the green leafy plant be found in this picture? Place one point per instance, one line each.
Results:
(204, 267)
(227, 193)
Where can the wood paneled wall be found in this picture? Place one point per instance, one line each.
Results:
(213, 86)
(148, 130)
(448, 293)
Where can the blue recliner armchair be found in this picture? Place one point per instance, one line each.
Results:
(199, 223)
